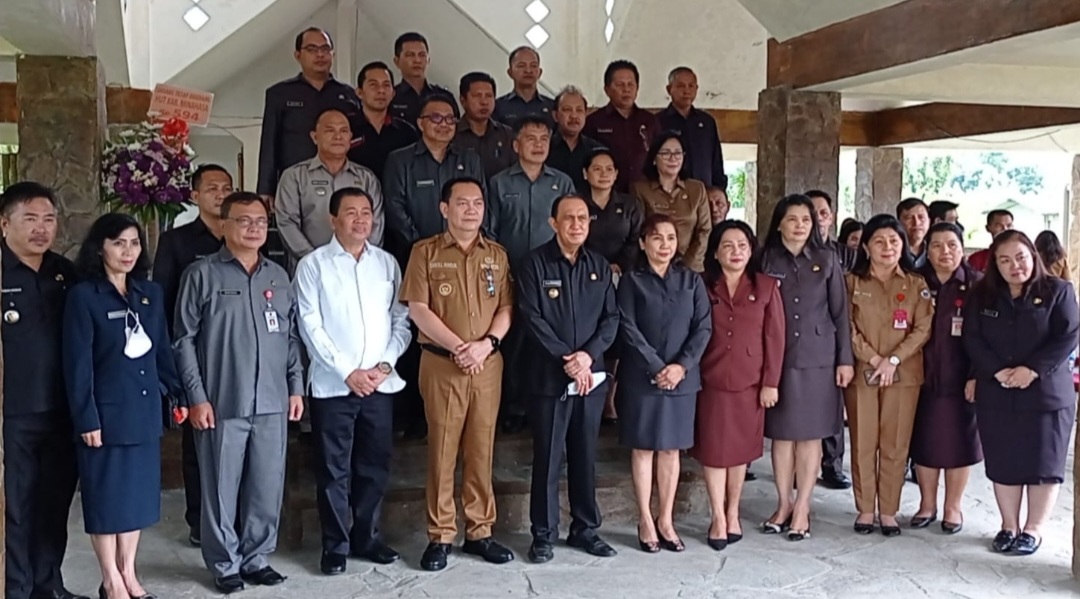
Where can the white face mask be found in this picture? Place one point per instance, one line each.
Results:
(138, 342)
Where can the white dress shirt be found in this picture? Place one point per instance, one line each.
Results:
(350, 317)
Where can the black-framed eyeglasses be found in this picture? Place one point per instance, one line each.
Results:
(439, 119)
(489, 276)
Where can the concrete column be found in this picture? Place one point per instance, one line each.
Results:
(61, 133)
(798, 146)
(879, 180)
(750, 196)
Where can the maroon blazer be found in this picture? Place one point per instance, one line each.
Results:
(746, 349)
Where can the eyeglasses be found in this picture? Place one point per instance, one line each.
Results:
(318, 49)
(439, 119)
(670, 154)
(246, 222)
(489, 276)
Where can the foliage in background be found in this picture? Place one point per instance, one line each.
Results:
(933, 176)
(736, 188)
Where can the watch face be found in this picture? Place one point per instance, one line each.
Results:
(385, 368)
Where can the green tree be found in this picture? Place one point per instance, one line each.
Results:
(928, 176)
(736, 188)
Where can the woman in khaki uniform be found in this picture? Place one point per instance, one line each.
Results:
(667, 190)
(891, 319)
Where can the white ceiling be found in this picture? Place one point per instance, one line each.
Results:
(785, 19)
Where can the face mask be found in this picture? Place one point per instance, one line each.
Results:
(138, 342)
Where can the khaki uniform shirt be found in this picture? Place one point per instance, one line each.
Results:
(688, 206)
(874, 330)
(463, 288)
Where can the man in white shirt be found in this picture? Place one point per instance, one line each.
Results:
(355, 330)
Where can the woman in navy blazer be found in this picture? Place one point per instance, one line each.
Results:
(117, 361)
(1018, 331)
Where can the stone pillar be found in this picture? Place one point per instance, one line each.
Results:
(61, 133)
(750, 196)
(879, 181)
(798, 146)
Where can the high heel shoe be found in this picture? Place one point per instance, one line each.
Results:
(675, 544)
(717, 544)
(772, 528)
(647, 546)
(102, 594)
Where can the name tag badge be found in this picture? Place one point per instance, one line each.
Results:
(598, 130)
(513, 195)
(272, 325)
(116, 314)
(229, 292)
(900, 320)
(294, 104)
(957, 326)
(426, 183)
(12, 290)
(990, 313)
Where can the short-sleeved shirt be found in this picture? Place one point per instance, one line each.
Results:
(628, 138)
(406, 102)
(371, 147)
(495, 147)
(463, 288)
(511, 107)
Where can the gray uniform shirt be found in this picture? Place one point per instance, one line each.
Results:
(413, 181)
(227, 352)
(495, 148)
(519, 209)
(302, 203)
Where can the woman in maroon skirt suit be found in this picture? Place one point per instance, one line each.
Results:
(945, 436)
(740, 371)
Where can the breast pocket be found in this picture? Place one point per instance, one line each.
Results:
(379, 295)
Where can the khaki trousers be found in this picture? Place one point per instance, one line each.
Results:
(880, 420)
(461, 411)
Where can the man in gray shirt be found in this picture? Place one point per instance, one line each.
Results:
(303, 195)
(243, 383)
(415, 174)
(520, 211)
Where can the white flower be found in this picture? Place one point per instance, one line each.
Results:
(127, 133)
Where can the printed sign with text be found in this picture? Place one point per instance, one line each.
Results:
(193, 106)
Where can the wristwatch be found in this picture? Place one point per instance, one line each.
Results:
(894, 360)
(494, 343)
(385, 367)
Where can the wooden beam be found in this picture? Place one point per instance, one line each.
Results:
(125, 105)
(906, 33)
(941, 120)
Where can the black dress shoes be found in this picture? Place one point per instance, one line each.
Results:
(750, 476)
(890, 531)
(488, 549)
(864, 529)
(266, 577)
(229, 584)
(195, 537)
(1025, 544)
(591, 544)
(60, 593)
(434, 558)
(332, 564)
(835, 479)
(541, 551)
(378, 552)
(1004, 541)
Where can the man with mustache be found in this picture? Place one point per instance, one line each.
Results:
(623, 126)
(570, 150)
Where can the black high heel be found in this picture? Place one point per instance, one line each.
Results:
(772, 528)
(675, 544)
(647, 546)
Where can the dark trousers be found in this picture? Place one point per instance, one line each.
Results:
(832, 453)
(189, 467)
(39, 481)
(353, 444)
(515, 370)
(569, 425)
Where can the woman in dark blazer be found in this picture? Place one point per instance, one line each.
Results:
(117, 359)
(817, 358)
(614, 233)
(1019, 329)
(945, 436)
(664, 327)
(740, 372)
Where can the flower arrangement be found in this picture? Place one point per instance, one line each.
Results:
(146, 171)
